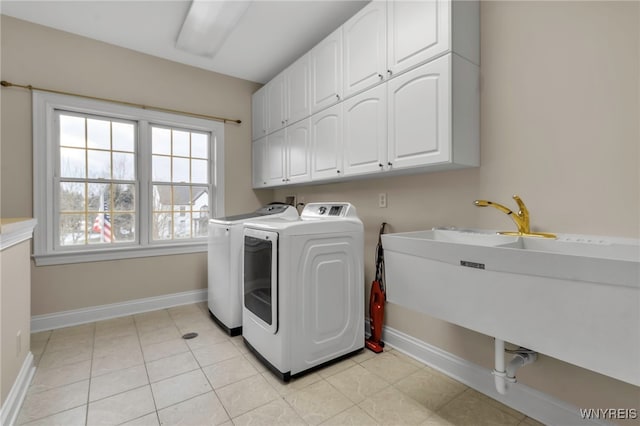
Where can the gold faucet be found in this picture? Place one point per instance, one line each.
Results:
(521, 218)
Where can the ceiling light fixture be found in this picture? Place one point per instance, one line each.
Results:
(208, 24)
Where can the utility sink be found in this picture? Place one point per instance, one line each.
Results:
(575, 298)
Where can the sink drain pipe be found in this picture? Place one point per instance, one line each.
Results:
(503, 376)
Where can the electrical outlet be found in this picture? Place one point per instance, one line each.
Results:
(382, 200)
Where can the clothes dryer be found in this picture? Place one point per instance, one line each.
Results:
(225, 260)
(303, 288)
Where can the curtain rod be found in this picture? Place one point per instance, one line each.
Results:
(4, 83)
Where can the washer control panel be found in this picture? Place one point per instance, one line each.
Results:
(328, 210)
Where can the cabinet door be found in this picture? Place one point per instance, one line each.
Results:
(326, 137)
(326, 72)
(365, 48)
(258, 116)
(418, 30)
(419, 104)
(275, 104)
(298, 158)
(274, 158)
(297, 90)
(258, 163)
(365, 132)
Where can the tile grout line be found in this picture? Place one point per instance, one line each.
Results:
(144, 362)
(93, 347)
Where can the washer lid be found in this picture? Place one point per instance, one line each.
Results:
(274, 209)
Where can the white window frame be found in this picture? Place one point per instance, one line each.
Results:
(46, 154)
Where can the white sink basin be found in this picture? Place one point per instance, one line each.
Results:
(576, 298)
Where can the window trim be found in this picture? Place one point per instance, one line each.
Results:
(45, 154)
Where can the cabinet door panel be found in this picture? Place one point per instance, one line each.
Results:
(365, 48)
(258, 114)
(275, 104)
(297, 90)
(258, 162)
(418, 31)
(420, 115)
(326, 72)
(274, 154)
(365, 132)
(299, 152)
(326, 134)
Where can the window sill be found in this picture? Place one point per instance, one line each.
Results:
(118, 254)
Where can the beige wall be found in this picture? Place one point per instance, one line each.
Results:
(559, 126)
(47, 58)
(15, 314)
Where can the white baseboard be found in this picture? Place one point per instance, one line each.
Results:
(11, 407)
(535, 404)
(114, 310)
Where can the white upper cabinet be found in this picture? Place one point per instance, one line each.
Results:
(365, 132)
(297, 85)
(258, 162)
(419, 116)
(326, 140)
(418, 30)
(365, 48)
(258, 113)
(298, 152)
(275, 158)
(326, 72)
(431, 125)
(275, 103)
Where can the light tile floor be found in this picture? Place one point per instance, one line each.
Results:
(137, 370)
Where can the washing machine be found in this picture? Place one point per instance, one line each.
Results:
(225, 261)
(303, 288)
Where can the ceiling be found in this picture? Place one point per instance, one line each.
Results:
(269, 36)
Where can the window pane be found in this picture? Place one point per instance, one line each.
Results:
(162, 198)
(124, 198)
(180, 169)
(161, 226)
(180, 143)
(98, 134)
(72, 163)
(124, 228)
(160, 141)
(199, 145)
(123, 166)
(182, 224)
(72, 131)
(200, 223)
(200, 198)
(181, 197)
(72, 229)
(123, 136)
(99, 164)
(161, 169)
(99, 195)
(199, 171)
(72, 196)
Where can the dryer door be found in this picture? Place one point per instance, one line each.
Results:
(260, 277)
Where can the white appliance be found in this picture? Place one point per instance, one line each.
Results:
(225, 262)
(303, 284)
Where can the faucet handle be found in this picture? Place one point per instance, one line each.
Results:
(523, 212)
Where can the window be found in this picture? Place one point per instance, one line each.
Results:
(113, 181)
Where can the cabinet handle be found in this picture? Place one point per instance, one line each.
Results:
(389, 72)
(380, 165)
(380, 76)
(338, 97)
(282, 122)
(337, 171)
(389, 163)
